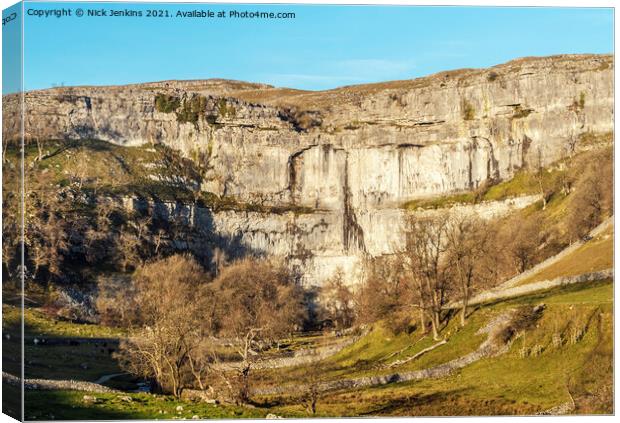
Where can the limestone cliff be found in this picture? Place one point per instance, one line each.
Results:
(353, 155)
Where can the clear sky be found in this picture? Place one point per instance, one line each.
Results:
(322, 47)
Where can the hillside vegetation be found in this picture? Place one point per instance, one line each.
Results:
(118, 296)
(564, 358)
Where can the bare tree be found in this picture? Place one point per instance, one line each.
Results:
(540, 172)
(427, 264)
(337, 300)
(312, 393)
(467, 246)
(11, 223)
(46, 236)
(385, 290)
(592, 199)
(523, 238)
(170, 298)
(256, 302)
(131, 241)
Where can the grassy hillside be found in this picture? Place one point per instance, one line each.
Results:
(567, 354)
(69, 405)
(543, 368)
(566, 357)
(596, 254)
(149, 171)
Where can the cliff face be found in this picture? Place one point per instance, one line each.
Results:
(352, 155)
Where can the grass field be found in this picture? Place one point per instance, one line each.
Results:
(568, 354)
(69, 405)
(596, 254)
(539, 372)
(38, 323)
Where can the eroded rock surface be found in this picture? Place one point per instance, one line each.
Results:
(352, 155)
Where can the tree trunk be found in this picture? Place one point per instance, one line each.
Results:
(244, 390)
(39, 150)
(422, 319)
(464, 309)
(435, 325)
(463, 314)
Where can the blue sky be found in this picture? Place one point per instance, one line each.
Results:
(323, 47)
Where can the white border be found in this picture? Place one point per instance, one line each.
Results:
(557, 3)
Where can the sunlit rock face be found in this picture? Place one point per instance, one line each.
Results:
(351, 156)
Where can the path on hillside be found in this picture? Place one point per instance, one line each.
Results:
(105, 378)
(297, 358)
(531, 288)
(554, 259)
(492, 346)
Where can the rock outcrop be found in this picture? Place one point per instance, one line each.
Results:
(352, 155)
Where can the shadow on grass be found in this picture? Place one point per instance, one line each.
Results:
(55, 405)
(11, 400)
(408, 404)
(540, 296)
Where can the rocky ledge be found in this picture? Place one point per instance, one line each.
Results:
(352, 155)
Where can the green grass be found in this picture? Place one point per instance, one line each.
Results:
(594, 255)
(70, 405)
(38, 323)
(383, 347)
(511, 383)
(79, 362)
(440, 202)
(145, 171)
(522, 183)
(376, 351)
(84, 361)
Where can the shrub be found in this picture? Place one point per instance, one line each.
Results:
(192, 110)
(166, 103)
(492, 76)
(226, 110)
(520, 112)
(467, 109)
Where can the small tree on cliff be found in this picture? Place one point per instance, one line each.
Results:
(171, 319)
(255, 302)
